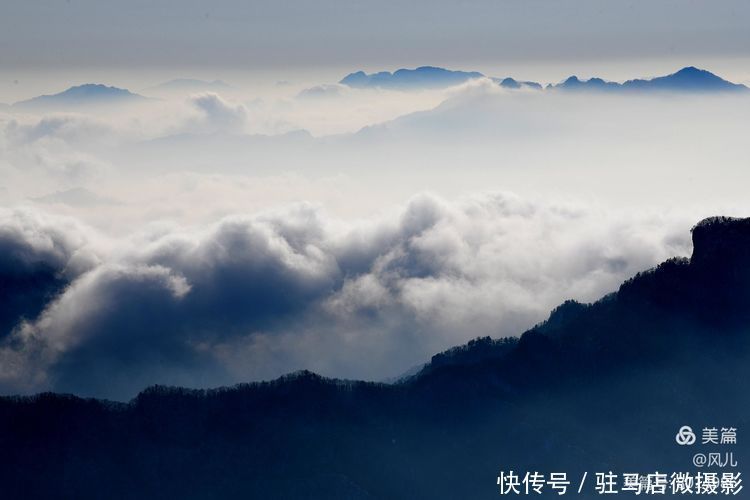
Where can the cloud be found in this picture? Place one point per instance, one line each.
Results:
(218, 114)
(207, 272)
(255, 296)
(40, 257)
(69, 127)
(60, 147)
(28, 239)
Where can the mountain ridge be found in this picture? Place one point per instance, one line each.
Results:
(687, 79)
(595, 387)
(85, 94)
(719, 241)
(423, 77)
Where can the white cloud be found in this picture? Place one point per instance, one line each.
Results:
(218, 114)
(256, 296)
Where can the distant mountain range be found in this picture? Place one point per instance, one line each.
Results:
(82, 95)
(98, 94)
(510, 83)
(689, 79)
(422, 77)
(597, 387)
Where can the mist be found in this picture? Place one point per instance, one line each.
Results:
(216, 235)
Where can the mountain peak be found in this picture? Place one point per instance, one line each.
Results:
(512, 83)
(694, 73)
(594, 83)
(687, 79)
(87, 93)
(721, 241)
(95, 89)
(403, 78)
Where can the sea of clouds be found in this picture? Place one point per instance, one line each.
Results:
(202, 240)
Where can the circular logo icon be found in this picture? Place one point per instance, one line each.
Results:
(686, 436)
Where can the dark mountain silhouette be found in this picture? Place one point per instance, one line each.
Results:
(422, 77)
(425, 77)
(82, 95)
(597, 387)
(510, 83)
(575, 83)
(689, 79)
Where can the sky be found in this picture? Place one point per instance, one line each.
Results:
(137, 41)
(219, 234)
